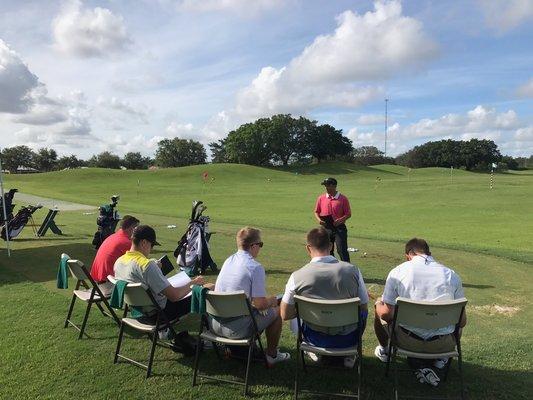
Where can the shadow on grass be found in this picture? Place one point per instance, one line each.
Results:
(40, 264)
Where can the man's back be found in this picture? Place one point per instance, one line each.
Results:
(111, 249)
(423, 278)
(241, 272)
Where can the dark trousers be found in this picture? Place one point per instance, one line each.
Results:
(177, 309)
(340, 239)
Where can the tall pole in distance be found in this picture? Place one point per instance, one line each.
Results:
(386, 122)
(4, 209)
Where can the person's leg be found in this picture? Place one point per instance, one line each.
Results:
(177, 309)
(341, 241)
(271, 323)
(381, 332)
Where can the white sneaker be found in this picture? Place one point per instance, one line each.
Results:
(312, 356)
(349, 362)
(279, 358)
(164, 334)
(381, 353)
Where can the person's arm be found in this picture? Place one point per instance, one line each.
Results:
(347, 213)
(264, 303)
(177, 293)
(317, 212)
(260, 300)
(287, 308)
(287, 311)
(384, 311)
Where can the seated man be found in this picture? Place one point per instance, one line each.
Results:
(242, 272)
(136, 267)
(112, 248)
(326, 278)
(419, 278)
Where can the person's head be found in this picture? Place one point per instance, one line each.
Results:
(415, 247)
(331, 185)
(144, 239)
(318, 242)
(128, 224)
(249, 239)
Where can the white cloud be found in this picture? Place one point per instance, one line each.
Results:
(504, 15)
(526, 90)
(182, 131)
(89, 32)
(505, 128)
(240, 6)
(16, 82)
(330, 72)
(140, 112)
(370, 119)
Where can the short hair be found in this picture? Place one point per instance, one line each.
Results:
(248, 236)
(319, 238)
(416, 245)
(128, 222)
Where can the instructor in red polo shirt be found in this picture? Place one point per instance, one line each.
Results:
(331, 211)
(111, 249)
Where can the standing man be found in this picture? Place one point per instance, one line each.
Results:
(111, 249)
(332, 209)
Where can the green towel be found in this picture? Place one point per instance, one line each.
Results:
(117, 299)
(198, 299)
(62, 272)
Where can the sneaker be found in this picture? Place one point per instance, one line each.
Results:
(440, 363)
(427, 375)
(164, 334)
(381, 353)
(349, 362)
(280, 357)
(312, 356)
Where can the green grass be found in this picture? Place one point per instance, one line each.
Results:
(484, 235)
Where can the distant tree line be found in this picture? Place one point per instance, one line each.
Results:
(278, 140)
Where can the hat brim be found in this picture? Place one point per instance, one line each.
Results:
(156, 243)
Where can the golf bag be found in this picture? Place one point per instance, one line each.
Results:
(8, 201)
(19, 221)
(107, 220)
(192, 252)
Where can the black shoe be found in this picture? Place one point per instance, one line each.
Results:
(184, 344)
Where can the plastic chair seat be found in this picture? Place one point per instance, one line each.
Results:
(427, 356)
(327, 351)
(221, 339)
(85, 295)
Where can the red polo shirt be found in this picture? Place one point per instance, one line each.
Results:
(112, 248)
(337, 206)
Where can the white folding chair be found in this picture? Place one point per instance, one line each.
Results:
(137, 295)
(324, 316)
(426, 315)
(91, 295)
(227, 305)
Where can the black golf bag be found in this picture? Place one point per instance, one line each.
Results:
(192, 253)
(8, 201)
(19, 221)
(107, 220)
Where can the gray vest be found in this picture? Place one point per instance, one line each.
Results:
(329, 281)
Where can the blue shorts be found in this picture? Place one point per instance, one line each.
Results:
(335, 341)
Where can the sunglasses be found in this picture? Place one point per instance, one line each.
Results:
(260, 244)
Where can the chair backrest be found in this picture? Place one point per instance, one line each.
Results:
(429, 314)
(328, 313)
(77, 270)
(135, 294)
(226, 304)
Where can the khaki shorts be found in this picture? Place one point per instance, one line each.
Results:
(441, 344)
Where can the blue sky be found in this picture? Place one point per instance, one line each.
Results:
(84, 77)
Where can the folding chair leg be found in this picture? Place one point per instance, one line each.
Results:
(447, 369)
(395, 372)
(70, 308)
(359, 372)
(152, 352)
(460, 364)
(304, 366)
(85, 318)
(250, 348)
(197, 359)
(119, 343)
(296, 376)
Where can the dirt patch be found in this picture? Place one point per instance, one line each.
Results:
(495, 309)
(22, 199)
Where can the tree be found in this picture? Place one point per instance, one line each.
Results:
(285, 135)
(15, 157)
(179, 152)
(69, 162)
(369, 155)
(250, 143)
(510, 163)
(218, 151)
(324, 141)
(45, 159)
(134, 160)
(105, 160)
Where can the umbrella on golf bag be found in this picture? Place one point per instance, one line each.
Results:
(8, 201)
(19, 221)
(107, 221)
(192, 252)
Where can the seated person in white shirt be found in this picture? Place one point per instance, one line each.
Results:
(241, 271)
(419, 278)
(326, 278)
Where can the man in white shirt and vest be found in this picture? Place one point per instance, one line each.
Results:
(419, 278)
